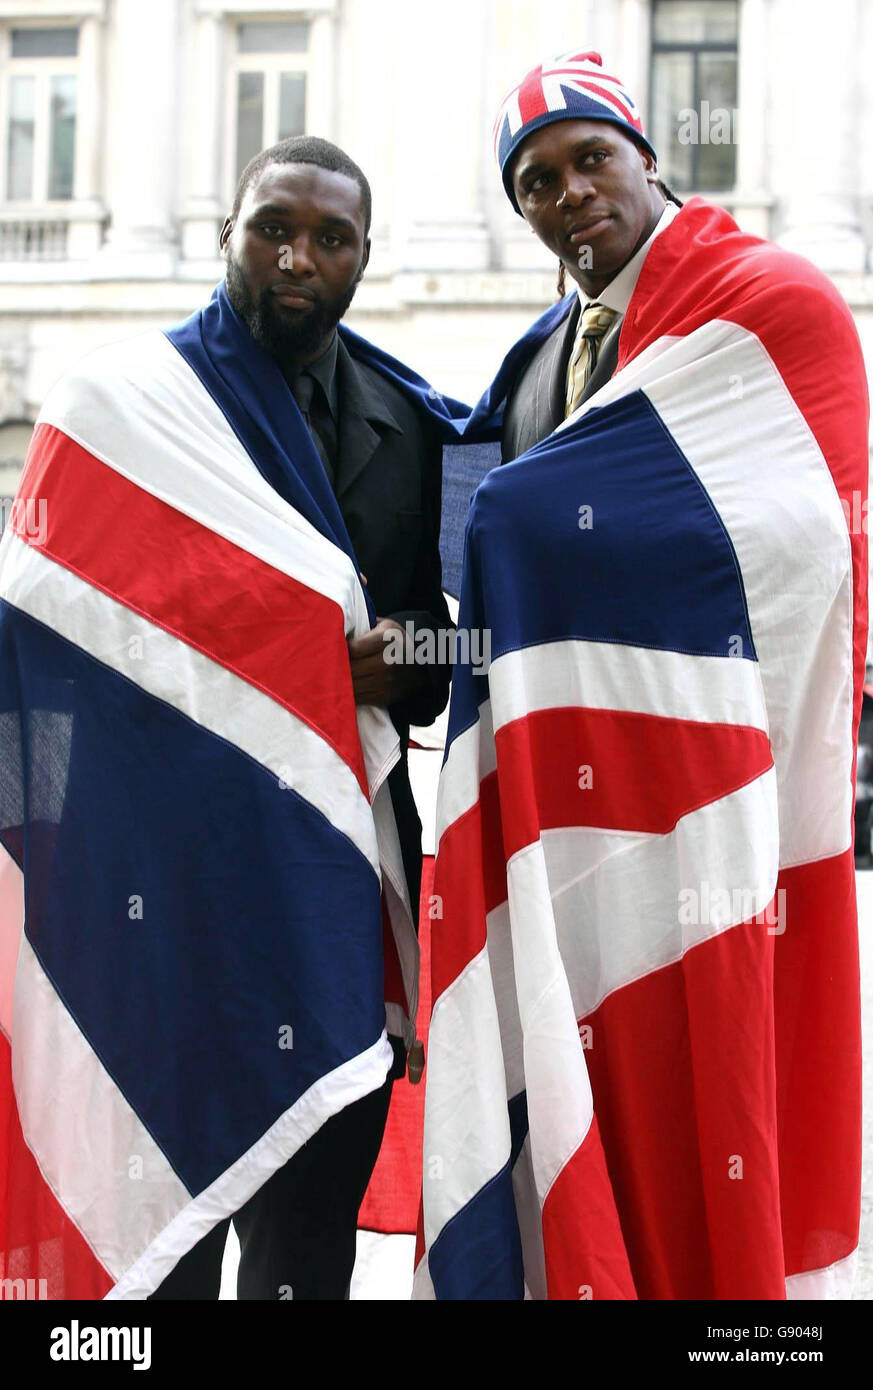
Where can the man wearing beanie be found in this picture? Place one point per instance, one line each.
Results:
(580, 170)
(644, 1049)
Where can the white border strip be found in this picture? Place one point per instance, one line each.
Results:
(331, 1093)
(466, 1124)
(94, 1153)
(837, 1281)
(11, 932)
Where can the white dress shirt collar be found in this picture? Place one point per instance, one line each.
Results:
(617, 294)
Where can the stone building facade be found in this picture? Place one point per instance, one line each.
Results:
(123, 125)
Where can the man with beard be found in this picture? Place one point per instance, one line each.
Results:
(296, 246)
(205, 801)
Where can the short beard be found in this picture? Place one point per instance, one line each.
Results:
(285, 338)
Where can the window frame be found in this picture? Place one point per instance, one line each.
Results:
(42, 70)
(695, 49)
(272, 65)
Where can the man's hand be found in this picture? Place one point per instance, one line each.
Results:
(375, 680)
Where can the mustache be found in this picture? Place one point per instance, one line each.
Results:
(285, 337)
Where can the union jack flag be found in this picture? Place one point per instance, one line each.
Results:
(204, 925)
(575, 83)
(645, 972)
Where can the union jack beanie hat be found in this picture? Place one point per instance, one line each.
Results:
(572, 87)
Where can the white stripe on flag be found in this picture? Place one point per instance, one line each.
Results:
(513, 112)
(140, 408)
(554, 93)
(82, 1131)
(722, 859)
(383, 1267)
(617, 872)
(529, 1211)
(466, 1123)
(559, 1100)
(501, 958)
(11, 926)
(400, 914)
(472, 756)
(639, 680)
(422, 1286)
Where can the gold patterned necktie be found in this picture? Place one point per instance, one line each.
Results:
(595, 321)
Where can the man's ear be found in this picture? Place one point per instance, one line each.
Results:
(365, 259)
(225, 236)
(651, 167)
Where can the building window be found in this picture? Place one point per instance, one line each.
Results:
(694, 92)
(271, 70)
(38, 77)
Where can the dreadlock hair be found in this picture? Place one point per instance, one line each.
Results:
(668, 193)
(306, 149)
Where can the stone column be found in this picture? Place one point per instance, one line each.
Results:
(630, 58)
(815, 108)
(751, 207)
(322, 114)
(87, 211)
(355, 61)
(440, 135)
(522, 35)
(203, 210)
(142, 121)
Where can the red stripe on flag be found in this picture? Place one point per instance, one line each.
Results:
(682, 1071)
(580, 70)
(395, 991)
(818, 1063)
(469, 881)
(582, 1240)
(531, 101)
(274, 632)
(393, 1198)
(37, 1239)
(620, 107)
(617, 770)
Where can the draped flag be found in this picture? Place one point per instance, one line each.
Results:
(644, 1059)
(199, 856)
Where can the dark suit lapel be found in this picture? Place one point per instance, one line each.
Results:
(536, 405)
(361, 407)
(560, 361)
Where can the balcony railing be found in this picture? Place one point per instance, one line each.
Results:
(33, 240)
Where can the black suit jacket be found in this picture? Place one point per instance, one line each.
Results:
(389, 486)
(536, 405)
